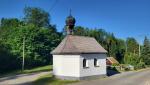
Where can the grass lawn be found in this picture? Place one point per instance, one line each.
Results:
(50, 80)
(38, 69)
(26, 71)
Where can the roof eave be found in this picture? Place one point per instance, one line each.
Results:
(75, 53)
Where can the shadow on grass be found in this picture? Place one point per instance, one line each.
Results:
(35, 71)
(50, 80)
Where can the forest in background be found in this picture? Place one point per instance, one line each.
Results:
(41, 37)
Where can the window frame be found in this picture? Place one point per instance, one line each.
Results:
(85, 63)
(96, 62)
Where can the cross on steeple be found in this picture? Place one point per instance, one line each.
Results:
(70, 12)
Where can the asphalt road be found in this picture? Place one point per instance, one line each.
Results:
(127, 78)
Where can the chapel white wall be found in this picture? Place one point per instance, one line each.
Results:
(92, 70)
(66, 65)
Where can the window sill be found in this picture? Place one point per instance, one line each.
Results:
(85, 67)
(96, 66)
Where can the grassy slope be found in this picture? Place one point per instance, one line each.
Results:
(43, 80)
(50, 80)
(26, 71)
(38, 69)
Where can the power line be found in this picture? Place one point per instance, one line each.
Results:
(53, 5)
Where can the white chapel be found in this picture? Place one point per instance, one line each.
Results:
(78, 57)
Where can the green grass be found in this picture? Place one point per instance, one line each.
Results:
(26, 71)
(38, 69)
(43, 80)
(50, 80)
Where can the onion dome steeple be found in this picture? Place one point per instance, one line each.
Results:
(70, 23)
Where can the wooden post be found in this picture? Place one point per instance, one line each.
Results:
(23, 55)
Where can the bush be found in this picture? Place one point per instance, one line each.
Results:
(8, 61)
(115, 64)
(140, 65)
(135, 60)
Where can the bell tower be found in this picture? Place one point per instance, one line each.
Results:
(70, 23)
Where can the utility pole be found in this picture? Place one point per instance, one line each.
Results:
(126, 47)
(140, 45)
(139, 50)
(23, 55)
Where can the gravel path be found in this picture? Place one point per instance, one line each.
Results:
(21, 79)
(127, 78)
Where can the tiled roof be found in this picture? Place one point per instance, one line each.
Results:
(112, 60)
(72, 44)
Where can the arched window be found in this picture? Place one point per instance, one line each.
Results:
(95, 62)
(85, 63)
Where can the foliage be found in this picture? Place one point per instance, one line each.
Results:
(36, 16)
(8, 23)
(132, 45)
(115, 64)
(114, 46)
(120, 50)
(131, 59)
(135, 60)
(132, 54)
(140, 65)
(7, 57)
(146, 51)
(41, 37)
(39, 42)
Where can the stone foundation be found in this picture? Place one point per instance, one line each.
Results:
(80, 78)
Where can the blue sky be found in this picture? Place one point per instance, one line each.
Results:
(124, 18)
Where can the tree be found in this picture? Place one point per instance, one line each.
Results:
(120, 50)
(111, 44)
(146, 51)
(40, 39)
(131, 55)
(9, 23)
(36, 16)
(114, 46)
(7, 26)
(132, 45)
(8, 61)
(134, 59)
(78, 30)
